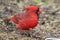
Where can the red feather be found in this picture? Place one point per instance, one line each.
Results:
(26, 20)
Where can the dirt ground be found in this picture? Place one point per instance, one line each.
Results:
(48, 26)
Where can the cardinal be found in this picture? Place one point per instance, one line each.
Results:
(28, 19)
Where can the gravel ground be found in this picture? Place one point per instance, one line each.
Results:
(49, 26)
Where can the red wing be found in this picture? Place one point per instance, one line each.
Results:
(20, 17)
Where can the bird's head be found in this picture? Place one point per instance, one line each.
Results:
(34, 9)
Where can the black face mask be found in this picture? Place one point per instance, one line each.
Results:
(37, 12)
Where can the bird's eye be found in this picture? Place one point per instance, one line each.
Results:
(36, 11)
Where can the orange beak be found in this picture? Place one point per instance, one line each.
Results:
(40, 11)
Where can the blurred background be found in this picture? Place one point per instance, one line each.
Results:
(49, 21)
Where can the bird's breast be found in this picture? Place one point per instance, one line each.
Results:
(25, 21)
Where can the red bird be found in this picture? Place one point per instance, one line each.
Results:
(27, 20)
